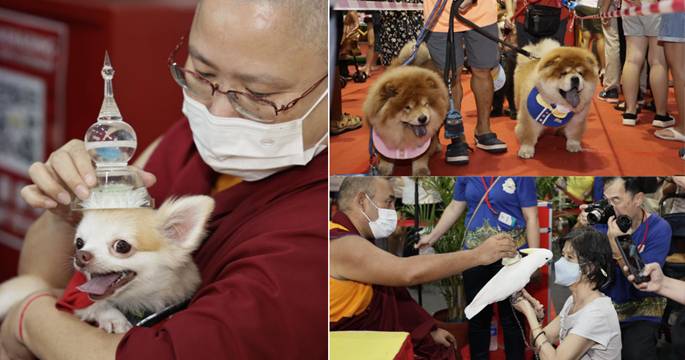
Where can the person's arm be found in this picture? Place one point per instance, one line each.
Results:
(355, 258)
(673, 289)
(56, 335)
(447, 219)
(572, 348)
(530, 214)
(48, 243)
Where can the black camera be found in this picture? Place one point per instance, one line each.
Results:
(600, 212)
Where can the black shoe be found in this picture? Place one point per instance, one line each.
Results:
(681, 152)
(663, 121)
(610, 96)
(629, 119)
(490, 143)
(457, 153)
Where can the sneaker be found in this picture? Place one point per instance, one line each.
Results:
(457, 153)
(663, 121)
(629, 119)
(681, 152)
(610, 95)
(490, 143)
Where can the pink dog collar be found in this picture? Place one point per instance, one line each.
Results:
(400, 154)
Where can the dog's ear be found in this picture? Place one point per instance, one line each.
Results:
(430, 82)
(388, 90)
(183, 220)
(550, 62)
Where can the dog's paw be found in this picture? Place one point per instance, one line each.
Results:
(526, 152)
(113, 321)
(573, 146)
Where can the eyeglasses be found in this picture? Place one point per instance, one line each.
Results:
(249, 105)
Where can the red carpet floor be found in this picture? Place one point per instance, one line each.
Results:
(610, 147)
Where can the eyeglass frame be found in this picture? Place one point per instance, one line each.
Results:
(173, 65)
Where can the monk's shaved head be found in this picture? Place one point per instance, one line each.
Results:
(304, 21)
(354, 185)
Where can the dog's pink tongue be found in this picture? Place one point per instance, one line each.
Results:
(98, 285)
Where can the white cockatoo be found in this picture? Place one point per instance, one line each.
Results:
(508, 280)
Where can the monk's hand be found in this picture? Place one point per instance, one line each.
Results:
(656, 278)
(496, 247)
(444, 337)
(68, 172)
(12, 347)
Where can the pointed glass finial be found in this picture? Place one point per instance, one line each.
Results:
(109, 109)
(111, 142)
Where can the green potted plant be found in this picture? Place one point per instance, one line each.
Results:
(451, 288)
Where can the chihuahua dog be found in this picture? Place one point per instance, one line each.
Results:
(136, 261)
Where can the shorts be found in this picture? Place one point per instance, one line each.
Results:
(482, 52)
(672, 27)
(594, 26)
(646, 25)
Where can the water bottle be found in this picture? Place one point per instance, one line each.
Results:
(493, 335)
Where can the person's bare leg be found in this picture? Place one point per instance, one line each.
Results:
(483, 89)
(599, 39)
(675, 55)
(371, 55)
(457, 90)
(658, 75)
(635, 57)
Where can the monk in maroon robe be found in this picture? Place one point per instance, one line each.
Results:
(368, 285)
(266, 248)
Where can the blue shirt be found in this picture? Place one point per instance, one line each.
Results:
(656, 246)
(508, 196)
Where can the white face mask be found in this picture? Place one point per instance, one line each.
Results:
(566, 273)
(386, 223)
(246, 148)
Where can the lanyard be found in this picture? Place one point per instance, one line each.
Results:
(641, 245)
(487, 193)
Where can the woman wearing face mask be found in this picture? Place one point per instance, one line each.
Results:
(368, 285)
(587, 326)
(494, 205)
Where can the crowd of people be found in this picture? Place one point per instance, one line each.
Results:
(607, 315)
(636, 54)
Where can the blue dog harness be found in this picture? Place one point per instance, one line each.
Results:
(547, 114)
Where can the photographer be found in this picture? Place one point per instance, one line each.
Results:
(639, 312)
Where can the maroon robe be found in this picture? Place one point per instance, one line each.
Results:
(392, 309)
(263, 265)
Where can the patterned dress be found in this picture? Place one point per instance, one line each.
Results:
(396, 29)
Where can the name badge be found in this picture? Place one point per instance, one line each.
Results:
(506, 219)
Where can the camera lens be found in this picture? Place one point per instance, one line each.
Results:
(594, 216)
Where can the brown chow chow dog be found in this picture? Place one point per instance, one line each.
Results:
(555, 91)
(405, 108)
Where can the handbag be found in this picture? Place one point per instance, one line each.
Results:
(541, 21)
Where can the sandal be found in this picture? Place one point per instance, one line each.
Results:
(347, 122)
(670, 134)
